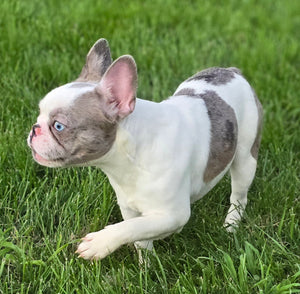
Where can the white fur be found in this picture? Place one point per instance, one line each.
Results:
(157, 162)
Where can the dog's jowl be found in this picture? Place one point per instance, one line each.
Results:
(159, 157)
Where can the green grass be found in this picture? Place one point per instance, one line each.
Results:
(43, 212)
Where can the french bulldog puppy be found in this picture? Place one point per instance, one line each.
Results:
(158, 157)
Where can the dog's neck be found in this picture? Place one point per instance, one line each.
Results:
(133, 135)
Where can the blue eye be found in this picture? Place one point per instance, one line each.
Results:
(58, 126)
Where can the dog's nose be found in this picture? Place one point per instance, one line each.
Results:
(34, 131)
(36, 126)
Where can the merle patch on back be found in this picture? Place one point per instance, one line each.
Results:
(223, 134)
(215, 75)
(223, 131)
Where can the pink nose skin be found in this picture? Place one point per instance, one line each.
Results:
(36, 131)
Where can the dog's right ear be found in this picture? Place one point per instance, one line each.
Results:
(97, 62)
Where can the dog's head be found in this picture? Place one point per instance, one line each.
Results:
(78, 121)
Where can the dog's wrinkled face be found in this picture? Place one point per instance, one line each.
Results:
(72, 127)
(78, 121)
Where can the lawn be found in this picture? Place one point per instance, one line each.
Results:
(44, 212)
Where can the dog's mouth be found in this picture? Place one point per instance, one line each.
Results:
(45, 161)
(38, 157)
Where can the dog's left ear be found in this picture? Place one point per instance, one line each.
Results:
(97, 62)
(118, 87)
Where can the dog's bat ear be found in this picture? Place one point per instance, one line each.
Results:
(97, 62)
(119, 85)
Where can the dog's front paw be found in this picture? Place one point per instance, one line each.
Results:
(97, 245)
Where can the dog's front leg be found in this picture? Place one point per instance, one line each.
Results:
(128, 213)
(99, 244)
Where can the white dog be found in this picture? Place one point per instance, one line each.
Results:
(159, 157)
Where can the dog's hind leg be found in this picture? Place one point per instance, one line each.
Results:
(242, 173)
(243, 169)
(140, 245)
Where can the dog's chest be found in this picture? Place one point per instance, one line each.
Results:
(185, 138)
